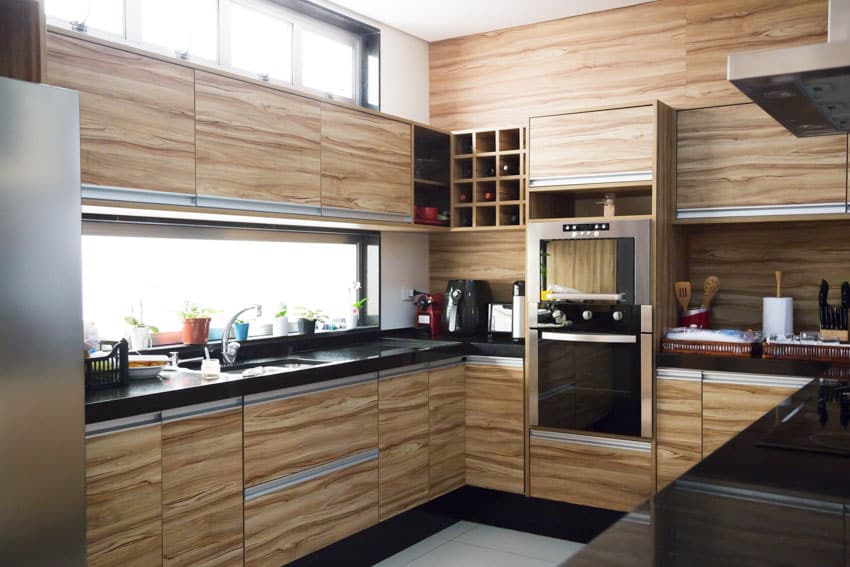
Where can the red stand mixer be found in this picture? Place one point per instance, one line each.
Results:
(429, 312)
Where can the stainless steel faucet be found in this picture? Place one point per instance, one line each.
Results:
(176, 361)
(229, 350)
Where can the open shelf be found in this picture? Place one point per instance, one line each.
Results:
(572, 202)
(432, 171)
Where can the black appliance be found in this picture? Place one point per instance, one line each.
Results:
(465, 312)
(593, 369)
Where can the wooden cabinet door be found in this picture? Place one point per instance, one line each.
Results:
(592, 143)
(124, 498)
(256, 143)
(678, 415)
(137, 118)
(495, 440)
(366, 162)
(402, 442)
(446, 429)
(732, 402)
(738, 156)
(299, 429)
(592, 471)
(301, 517)
(202, 485)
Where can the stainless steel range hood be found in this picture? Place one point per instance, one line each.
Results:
(805, 88)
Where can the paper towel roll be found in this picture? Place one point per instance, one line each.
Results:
(777, 316)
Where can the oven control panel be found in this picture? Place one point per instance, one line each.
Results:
(590, 317)
(587, 229)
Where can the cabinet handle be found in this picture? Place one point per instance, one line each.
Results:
(295, 479)
(762, 210)
(122, 424)
(197, 410)
(755, 379)
(562, 180)
(593, 440)
(364, 215)
(305, 389)
(496, 361)
(445, 363)
(783, 500)
(256, 205)
(402, 371)
(683, 374)
(128, 194)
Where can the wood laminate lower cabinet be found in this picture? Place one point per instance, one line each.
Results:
(495, 446)
(124, 493)
(366, 163)
(256, 143)
(402, 442)
(446, 429)
(202, 485)
(593, 471)
(731, 402)
(678, 423)
(292, 430)
(137, 123)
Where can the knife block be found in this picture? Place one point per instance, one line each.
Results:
(841, 335)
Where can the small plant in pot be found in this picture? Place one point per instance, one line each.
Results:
(280, 325)
(307, 319)
(196, 324)
(352, 318)
(240, 329)
(140, 334)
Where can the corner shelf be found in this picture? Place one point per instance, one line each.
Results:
(488, 174)
(431, 171)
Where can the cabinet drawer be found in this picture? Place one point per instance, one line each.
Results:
(592, 471)
(289, 523)
(447, 429)
(403, 442)
(295, 433)
(589, 144)
(678, 435)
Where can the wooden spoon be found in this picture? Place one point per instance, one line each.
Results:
(778, 284)
(712, 286)
(683, 294)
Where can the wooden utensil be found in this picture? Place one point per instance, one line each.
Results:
(711, 287)
(778, 284)
(683, 294)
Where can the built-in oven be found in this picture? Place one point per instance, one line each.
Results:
(590, 327)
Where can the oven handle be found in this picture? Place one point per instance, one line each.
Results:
(589, 338)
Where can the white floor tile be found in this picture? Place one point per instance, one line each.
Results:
(457, 554)
(521, 543)
(455, 530)
(415, 551)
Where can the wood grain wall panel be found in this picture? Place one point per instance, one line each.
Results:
(739, 156)
(137, 115)
(124, 498)
(589, 266)
(402, 443)
(286, 436)
(678, 437)
(22, 36)
(202, 490)
(745, 257)
(618, 57)
(716, 28)
(447, 429)
(256, 143)
(497, 257)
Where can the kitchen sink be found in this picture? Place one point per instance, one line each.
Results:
(287, 364)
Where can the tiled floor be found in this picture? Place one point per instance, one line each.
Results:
(466, 544)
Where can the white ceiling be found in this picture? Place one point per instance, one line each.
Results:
(433, 20)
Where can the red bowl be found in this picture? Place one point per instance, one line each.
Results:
(428, 213)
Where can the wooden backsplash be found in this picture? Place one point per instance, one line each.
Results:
(746, 256)
(497, 257)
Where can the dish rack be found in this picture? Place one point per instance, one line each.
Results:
(108, 371)
(709, 348)
(819, 352)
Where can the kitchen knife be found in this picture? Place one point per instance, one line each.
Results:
(845, 303)
(824, 291)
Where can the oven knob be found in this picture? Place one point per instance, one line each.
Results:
(617, 315)
(587, 315)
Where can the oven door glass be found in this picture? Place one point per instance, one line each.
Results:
(590, 382)
(593, 266)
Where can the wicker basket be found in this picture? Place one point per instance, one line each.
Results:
(708, 348)
(819, 353)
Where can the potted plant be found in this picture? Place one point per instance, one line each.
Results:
(240, 329)
(280, 325)
(140, 334)
(352, 318)
(196, 324)
(307, 319)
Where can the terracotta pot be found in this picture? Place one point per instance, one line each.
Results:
(195, 331)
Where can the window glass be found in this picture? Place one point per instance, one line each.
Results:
(372, 97)
(187, 25)
(104, 15)
(260, 42)
(327, 64)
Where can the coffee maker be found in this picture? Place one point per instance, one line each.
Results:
(429, 313)
(465, 313)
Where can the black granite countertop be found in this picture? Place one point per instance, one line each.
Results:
(360, 354)
(746, 504)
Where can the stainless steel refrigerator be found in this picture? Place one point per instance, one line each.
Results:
(42, 397)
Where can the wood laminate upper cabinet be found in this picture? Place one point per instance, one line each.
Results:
(592, 143)
(366, 162)
(300, 431)
(678, 415)
(446, 429)
(402, 442)
(255, 142)
(738, 156)
(591, 471)
(731, 402)
(124, 498)
(202, 488)
(495, 440)
(137, 122)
